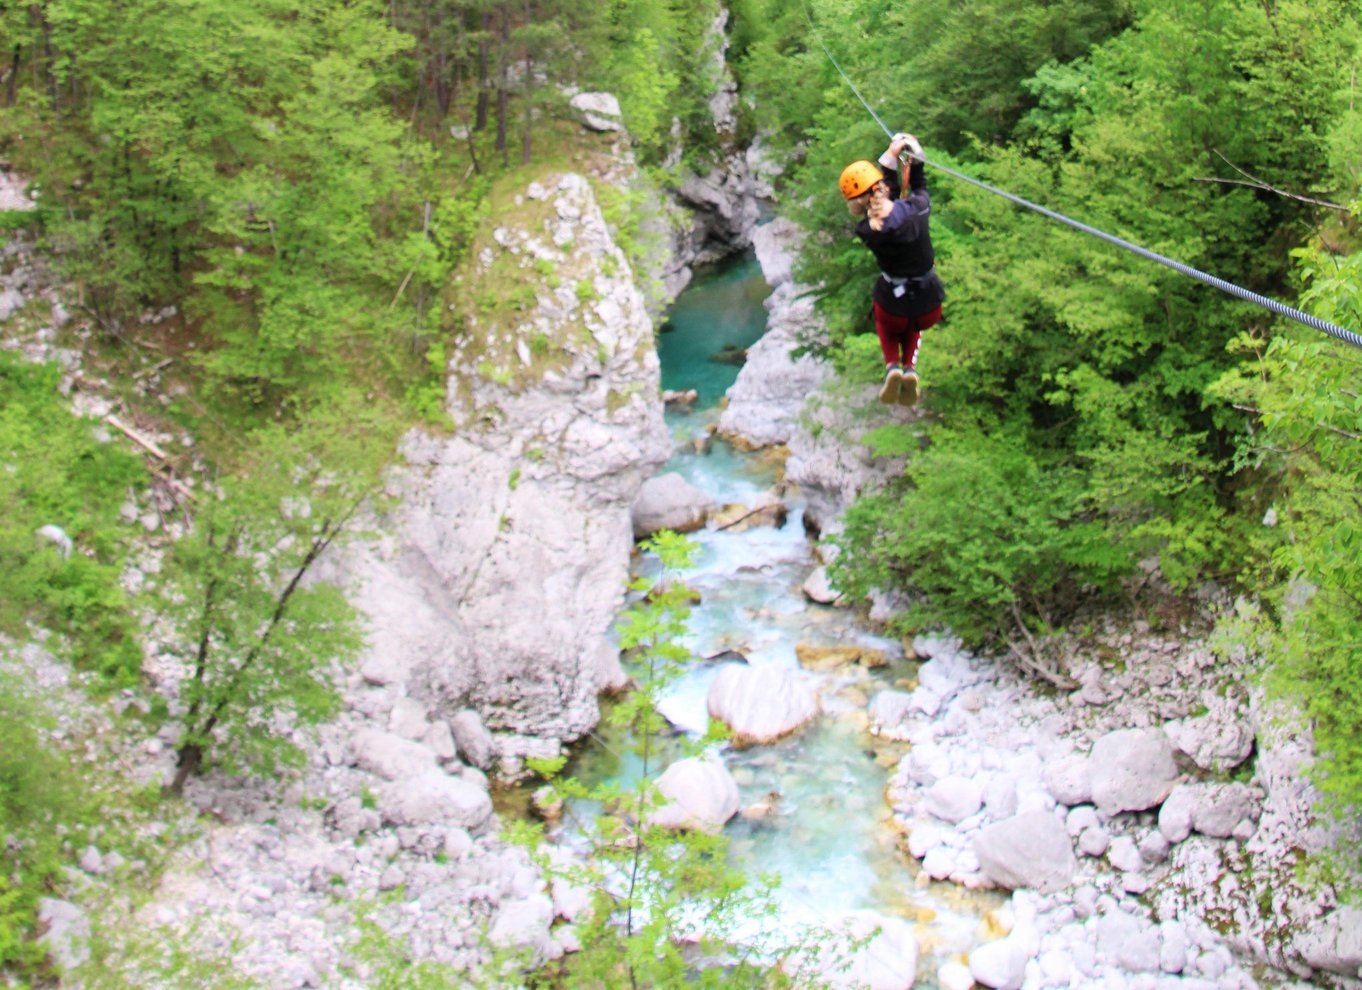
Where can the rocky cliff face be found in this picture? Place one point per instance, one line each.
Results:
(502, 569)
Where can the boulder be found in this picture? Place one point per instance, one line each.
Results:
(864, 951)
(1129, 942)
(66, 932)
(1216, 809)
(475, 743)
(1333, 942)
(390, 756)
(669, 501)
(56, 535)
(817, 588)
(435, 798)
(701, 794)
(1218, 741)
(680, 399)
(600, 111)
(829, 657)
(953, 799)
(1000, 964)
(1175, 816)
(761, 704)
(890, 709)
(1068, 779)
(408, 719)
(1131, 770)
(736, 517)
(523, 924)
(1027, 850)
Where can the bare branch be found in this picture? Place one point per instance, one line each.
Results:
(1256, 183)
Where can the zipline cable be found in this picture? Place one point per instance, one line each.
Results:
(1345, 335)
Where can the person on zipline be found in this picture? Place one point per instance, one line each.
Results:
(907, 296)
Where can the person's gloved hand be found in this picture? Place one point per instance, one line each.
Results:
(905, 142)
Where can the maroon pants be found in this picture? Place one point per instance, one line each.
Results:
(899, 335)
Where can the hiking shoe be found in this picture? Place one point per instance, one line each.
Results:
(908, 387)
(889, 391)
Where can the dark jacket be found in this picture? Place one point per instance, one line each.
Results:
(903, 248)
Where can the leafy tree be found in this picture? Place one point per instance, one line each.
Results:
(1304, 453)
(240, 158)
(264, 638)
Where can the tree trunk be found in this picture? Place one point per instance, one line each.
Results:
(12, 82)
(484, 55)
(529, 112)
(188, 760)
(504, 89)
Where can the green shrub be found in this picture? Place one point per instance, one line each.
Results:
(977, 532)
(37, 798)
(54, 471)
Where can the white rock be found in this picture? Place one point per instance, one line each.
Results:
(458, 843)
(954, 975)
(435, 798)
(923, 839)
(1218, 808)
(701, 794)
(1154, 847)
(1000, 964)
(11, 301)
(1334, 942)
(818, 589)
(408, 719)
(1082, 817)
(1124, 855)
(939, 863)
(953, 799)
(763, 703)
(889, 709)
(390, 756)
(1028, 850)
(887, 959)
(1000, 796)
(1094, 841)
(475, 743)
(67, 932)
(524, 924)
(439, 739)
(1175, 816)
(1058, 967)
(669, 501)
(91, 861)
(56, 535)
(1129, 942)
(1172, 947)
(1220, 740)
(1131, 770)
(600, 111)
(1068, 779)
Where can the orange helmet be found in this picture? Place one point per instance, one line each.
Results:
(857, 178)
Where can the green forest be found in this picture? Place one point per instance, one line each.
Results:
(302, 181)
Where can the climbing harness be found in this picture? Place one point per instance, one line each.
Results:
(1281, 309)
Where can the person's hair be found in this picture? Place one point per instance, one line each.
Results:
(876, 223)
